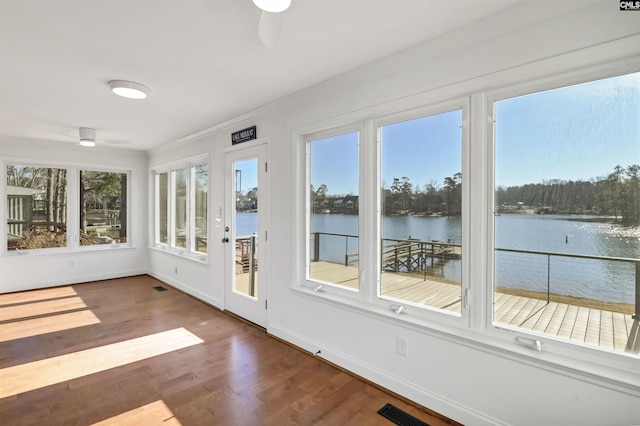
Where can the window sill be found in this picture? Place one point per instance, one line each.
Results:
(68, 250)
(184, 254)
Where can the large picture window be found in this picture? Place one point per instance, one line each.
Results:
(567, 213)
(421, 211)
(42, 204)
(181, 200)
(334, 210)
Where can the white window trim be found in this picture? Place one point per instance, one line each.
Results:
(425, 312)
(321, 286)
(73, 207)
(369, 219)
(169, 168)
(563, 351)
(616, 371)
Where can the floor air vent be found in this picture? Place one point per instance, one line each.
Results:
(159, 288)
(400, 417)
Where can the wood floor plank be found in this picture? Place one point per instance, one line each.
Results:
(114, 372)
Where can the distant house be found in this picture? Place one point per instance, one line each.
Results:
(21, 203)
(351, 204)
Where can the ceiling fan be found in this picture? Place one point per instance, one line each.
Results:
(87, 137)
(270, 23)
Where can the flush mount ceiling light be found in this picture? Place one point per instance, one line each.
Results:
(87, 136)
(129, 89)
(273, 6)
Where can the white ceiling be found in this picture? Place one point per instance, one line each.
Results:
(202, 59)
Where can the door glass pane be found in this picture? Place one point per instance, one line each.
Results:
(567, 213)
(334, 211)
(421, 212)
(245, 219)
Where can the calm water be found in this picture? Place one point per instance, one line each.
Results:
(601, 280)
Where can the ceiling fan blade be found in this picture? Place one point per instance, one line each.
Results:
(270, 28)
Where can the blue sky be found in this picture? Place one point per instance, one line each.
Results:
(248, 177)
(574, 133)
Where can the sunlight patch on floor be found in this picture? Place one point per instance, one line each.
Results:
(47, 324)
(38, 374)
(154, 413)
(40, 308)
(36, 295)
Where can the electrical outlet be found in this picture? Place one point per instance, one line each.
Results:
(401, 346)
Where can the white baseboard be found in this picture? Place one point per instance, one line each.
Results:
(188, 289)
(412, 391)
(76, 279)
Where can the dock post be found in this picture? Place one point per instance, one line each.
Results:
(316, 246)
(252, 267)
(636, 312)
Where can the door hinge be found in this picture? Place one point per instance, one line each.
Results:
(266, 167)
(266, 235)
(265, 303)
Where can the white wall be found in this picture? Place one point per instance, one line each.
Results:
(461, 376)
(38, 270)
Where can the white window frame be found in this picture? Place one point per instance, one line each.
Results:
(561, 351)
(316, 285)
(73, 207)
(613, 370)
(426, 312)
(188, 251)
(126, 244)
(192, 206)
(369, 222)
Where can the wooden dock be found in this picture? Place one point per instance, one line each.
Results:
(615, 331)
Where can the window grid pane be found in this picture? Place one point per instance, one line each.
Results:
(421, 205)
(200, 182)
(36, 207)
(334, 211)
(179, 230)
(103, 208)
(162, 214)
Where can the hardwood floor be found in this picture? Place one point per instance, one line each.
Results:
(119, 352)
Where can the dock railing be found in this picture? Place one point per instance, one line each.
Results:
(412, 256)
(548, 261)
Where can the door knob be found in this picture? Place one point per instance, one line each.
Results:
(225, 240)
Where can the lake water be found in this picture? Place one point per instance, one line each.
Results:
(579, 235)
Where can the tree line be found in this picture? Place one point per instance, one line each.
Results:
(616, 195)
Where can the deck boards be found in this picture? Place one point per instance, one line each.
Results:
(596, 327)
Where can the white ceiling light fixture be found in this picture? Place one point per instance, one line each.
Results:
(129, 89)
(87, 136)
(273, 6)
